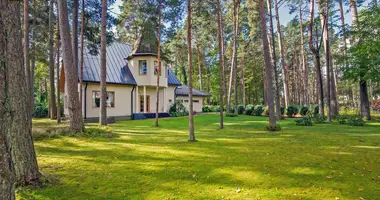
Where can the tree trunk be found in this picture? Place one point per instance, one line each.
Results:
(268, 68)
(199, 65)
(158, 61)
(304, 62)
(364, 102)
(354, 12)
(283, 62)
(82, 58)
(103, 66)
(273, 51)
(26, 51)
(236, 37)
(51, 63)
(58, 62)
(189, 61)
(18, 124)
(7, 173)
(71, 72)
(242, 83)
(326, 43)
(334, 101)
(74, 38)
(221, 63)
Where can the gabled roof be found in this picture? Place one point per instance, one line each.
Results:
(172, 79)
(183, 90)
(117, 67)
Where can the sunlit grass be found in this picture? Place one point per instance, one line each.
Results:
(242, 161)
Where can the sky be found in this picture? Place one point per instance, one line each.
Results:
(285, 17)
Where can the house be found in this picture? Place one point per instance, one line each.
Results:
(131, 82)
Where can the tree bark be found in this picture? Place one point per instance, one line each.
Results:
(58, 78)
(317, 60)
(74, 38)
(103, 66)
(19, 123)
(51, 63)
(158, 61)
(71, 72)
(236, 37)
(304, 62)
(273, 51)
(189, 61)
(199, 65)
(221, 63)
(326, 43)
(242, 83)
(26, 51)
(7, 173)
(283, 62)
(82, 57)
(268, 68)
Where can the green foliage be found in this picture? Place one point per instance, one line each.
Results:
(319, 119)
(41, 109)
(282, 110)
(355, 120)
(249, 109)
(178, 110)
(316, 110)
(231, 115)
(206, 108)
(304, 110)
(258, 110)
(292, 111)
(271, 128)
(341, 119)
(241, 109)
(304, 121)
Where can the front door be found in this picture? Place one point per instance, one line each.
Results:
(147, 103)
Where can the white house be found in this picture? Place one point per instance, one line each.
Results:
(131, 82)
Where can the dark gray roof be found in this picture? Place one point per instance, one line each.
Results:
(172, 79)
(146, 43)
(183, 90)
(117, 67)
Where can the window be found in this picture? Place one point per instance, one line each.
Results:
(195, 101)
(110, 99)
(186, 101)
(142, 67)
(170, 100)
(156, 68)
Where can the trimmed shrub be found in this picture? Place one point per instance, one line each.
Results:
(271, 128)
(258, 111)
(282, 110)
(319, 119)
(292, 111)
(341, 119)
(231, 115)
(304, 110)
(249, 109)
(178, 110)
(316, 110)
(206, 108)
(240, 109)
(355, 120)
(304, 121)
(216, 109)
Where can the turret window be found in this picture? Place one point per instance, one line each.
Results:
(143, 67)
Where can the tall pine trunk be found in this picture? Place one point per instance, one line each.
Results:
(74, 37)
(242, 83)
(274, 58)
(103, 66)
(58, 78)
(52, 101)
(236, 37)
(221, 63)
(158, 62)
(82, 57)
(189, 61)
(7, 173)
(17, 124)
(268, 67)
(71, 71)
(199, 65)
(304, 62)
(283, 62)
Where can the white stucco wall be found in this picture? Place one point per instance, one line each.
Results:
(122, 100)
(148, 79)
(197, 106)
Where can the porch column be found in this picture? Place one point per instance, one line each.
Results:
(137, 100)
(144, 99)
(165, 101)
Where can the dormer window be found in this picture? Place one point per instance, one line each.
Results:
(142, 67)
(156, 68)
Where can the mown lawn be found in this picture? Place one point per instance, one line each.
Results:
(327, 161)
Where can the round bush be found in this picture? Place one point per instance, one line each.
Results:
(292, 111)
(240, 109)
(304, 110)
(258, 111)
(249, 109)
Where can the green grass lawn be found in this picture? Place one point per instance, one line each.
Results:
(325, 161)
